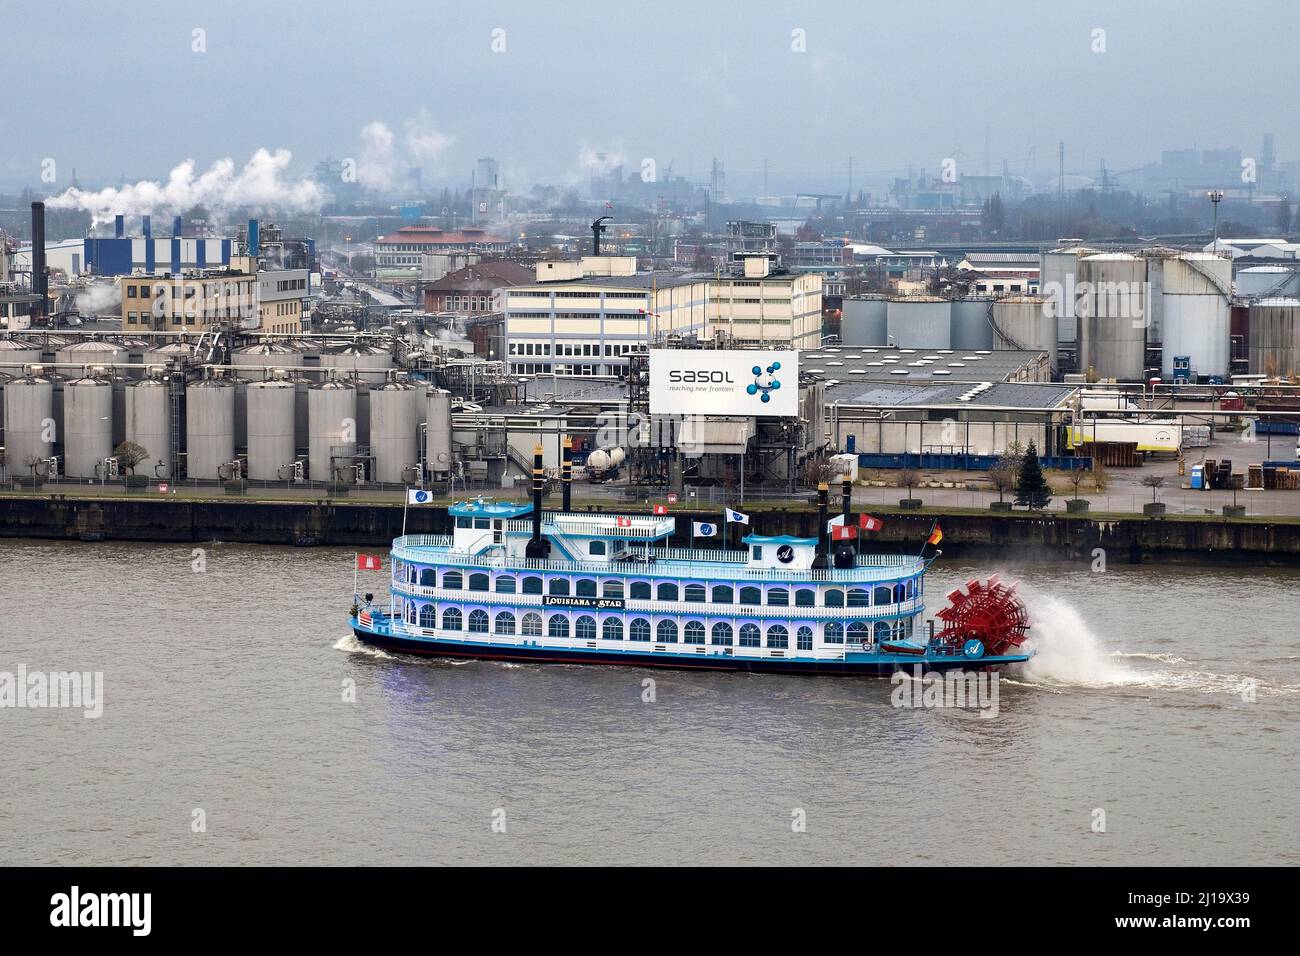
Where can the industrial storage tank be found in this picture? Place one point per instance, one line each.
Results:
(970, 324)
(91, 353)
(1112, 315)
(87, 425)
(1195, 309)
(1268, 281)
(1058, 279)
(165, 353)
(255, 360)
(29, 414)
(367, 363)
(17, 353)
(395, 412)
(209, 427)
(863, 321)
(331, 430)
(270, 429)
(437, 447)
(1026, 322)
(149, 424)
(1274, 326)
(919, 322)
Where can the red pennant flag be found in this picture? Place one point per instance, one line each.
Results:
(623, 522)
(843, 532)
(869, 523)
(661, 509)
(369, 562)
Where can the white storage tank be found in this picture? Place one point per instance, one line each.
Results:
(269, 406)
(87, 425)
(919, 322)
(29, 417)
(1112, 315)
(395, 412)
(1026, 322)
(209, 427)
(149, 424)
(15, 353)
(970, 324)
(331, 430)
(1268, 281)
(365, 362)
(864, 321)
(1274, 329)
(89, 353)
(437, 450)
(1195, 312)
(255, 361)
(1058, 279)
(167, 352)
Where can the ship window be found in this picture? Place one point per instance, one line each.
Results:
(586, 587)
(721, 634)
(478, 582)
(532, 626)
(751, 595)
(428, 616)
(778, 597)
(478, 621)
(882, 630)
(834, 598)
(429, 578)
(860, 631)
(505, 623)
(899, 593)
(757, 553)
(749, 635)
(805, 597)
(558, 587)
(778, 636)
(612, 629)
(833, 633)
(910, 588)
(640, 590)
(666, 632)
(584, 628)
(723, 594)
(532, 585)
(639, 630)
(464, 523)
(505, 584)
(597, 547)
(558, 626)
(667, 591)
(414, 575)
(695, 593)
(804, 638)
(482, 524)
(882, 595)
(693, 633)
(859, 597)
(451, 619)
(453, 580)
(612, 589)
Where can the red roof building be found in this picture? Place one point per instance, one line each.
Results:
(471, 289)
(405, 246)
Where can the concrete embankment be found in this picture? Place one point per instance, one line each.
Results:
(343, 523)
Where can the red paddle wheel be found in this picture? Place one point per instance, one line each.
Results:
(991, 613)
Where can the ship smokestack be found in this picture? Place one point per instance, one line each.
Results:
(566, 473)
(40, 281)
(538, 547)
(845, 555)
(823, 502)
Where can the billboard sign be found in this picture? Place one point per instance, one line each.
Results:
(724, 382)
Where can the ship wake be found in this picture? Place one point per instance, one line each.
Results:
(349, 644)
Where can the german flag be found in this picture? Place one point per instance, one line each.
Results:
(936, 535)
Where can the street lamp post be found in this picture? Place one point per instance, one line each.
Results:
(1216, 197)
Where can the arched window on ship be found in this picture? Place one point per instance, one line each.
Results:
(428, 616)
(532, 585)
(721, 634)
(695, 593)
(612, 629)
(751, 595)
(428, 578)
(584, 628)
(778, 636)
(667, 591)
(532, 625)
(452, 580)
(451, 619)
(505, 624)
(693, 633)
(882, 595)
(596, 547)
(750, 636)
(505, 584)
(612, 588)
(640, 591)
(558, 625)
(558, 587)
(639, 630)
(478, 582)
(666, 632)
(586, 587)
(478, 621)
(833, 633)
(723, 594)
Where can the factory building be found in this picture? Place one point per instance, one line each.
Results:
(402, 251)
(764, 307)
(473, 289)
(123, 255)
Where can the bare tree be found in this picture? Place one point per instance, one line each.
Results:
(819, 470)
(908, 477)
(129, 454)
(1100, 476)
(1153, 482)
(1003, 473)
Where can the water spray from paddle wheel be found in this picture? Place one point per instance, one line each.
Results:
(989, 612)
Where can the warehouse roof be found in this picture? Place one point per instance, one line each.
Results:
(999, 394)
(849, 363)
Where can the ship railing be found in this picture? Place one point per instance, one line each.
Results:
(792, 612)
(642, 529)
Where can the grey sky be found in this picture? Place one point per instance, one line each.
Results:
(113, 88)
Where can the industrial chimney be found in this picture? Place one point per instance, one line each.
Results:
(538, 546)
(566, 473)
(597, 228)
(40, 281)
(823, 501)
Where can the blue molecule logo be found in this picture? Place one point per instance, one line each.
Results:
(765, 382)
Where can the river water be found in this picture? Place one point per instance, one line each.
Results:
(1157, 725)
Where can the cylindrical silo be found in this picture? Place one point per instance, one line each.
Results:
(149, 425)
(255, 360)
(1025, 322)
(1196, 312)
(919, 322)
(167, 352)
(365, 362)
(269, 407)
(1058, 279)
(1268, 281)
(332, 430)
(15, 353)
(1274, 329)
(1112, 315)
(970, 324)
(209, 427)
(29, 423)
(395, 412)
(437, 448)
(87, 425)
(864, 321)
(90, 353)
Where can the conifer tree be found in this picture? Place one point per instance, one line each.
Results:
(1032, 489)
